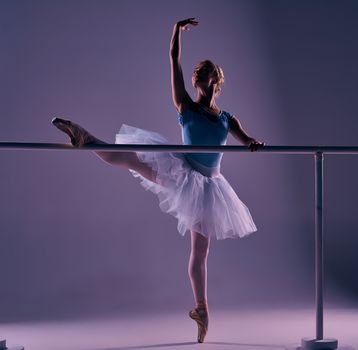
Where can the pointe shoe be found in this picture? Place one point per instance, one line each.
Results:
(201, 318)
(78, 135)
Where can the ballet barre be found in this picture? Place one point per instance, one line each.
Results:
(180, 148)
(317, 343)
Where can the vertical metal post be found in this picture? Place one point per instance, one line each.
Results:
(319, 343)
(319, 243)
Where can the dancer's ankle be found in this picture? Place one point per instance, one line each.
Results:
(202, 306)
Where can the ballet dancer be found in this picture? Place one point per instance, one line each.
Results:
(189, 186)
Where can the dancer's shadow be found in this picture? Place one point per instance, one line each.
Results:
(152, 346)
(238, 346)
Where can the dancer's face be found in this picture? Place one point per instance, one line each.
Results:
(204, 75)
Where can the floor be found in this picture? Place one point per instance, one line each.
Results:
(244, 330)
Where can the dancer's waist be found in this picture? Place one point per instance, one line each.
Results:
(203, 169)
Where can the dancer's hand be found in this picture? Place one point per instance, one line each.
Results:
(185, 24)
(255, 144)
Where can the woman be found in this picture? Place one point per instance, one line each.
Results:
(189, 186)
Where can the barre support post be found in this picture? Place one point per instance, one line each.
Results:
(319, 343)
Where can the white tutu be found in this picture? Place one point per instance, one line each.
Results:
(205, 204)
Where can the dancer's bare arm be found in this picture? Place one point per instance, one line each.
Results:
(181, 98)
(239, 133)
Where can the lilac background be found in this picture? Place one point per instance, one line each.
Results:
(79, 237)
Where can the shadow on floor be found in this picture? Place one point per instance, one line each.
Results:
(152, 346)
(240, 345)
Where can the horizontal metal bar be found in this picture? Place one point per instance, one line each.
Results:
(180, 148)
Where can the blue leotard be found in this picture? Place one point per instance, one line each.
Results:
(198, 129)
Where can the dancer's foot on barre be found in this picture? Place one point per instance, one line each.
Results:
(78, 135)
(202, 319)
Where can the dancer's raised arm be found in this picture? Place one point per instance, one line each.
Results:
(181, 98)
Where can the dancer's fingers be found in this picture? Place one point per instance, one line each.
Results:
(185, 23)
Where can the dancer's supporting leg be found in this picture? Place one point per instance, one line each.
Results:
(198, 276)
(80, 136)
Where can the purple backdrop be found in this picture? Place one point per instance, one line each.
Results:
(79, 237)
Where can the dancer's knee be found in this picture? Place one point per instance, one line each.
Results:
(199, 257)
(200, 245)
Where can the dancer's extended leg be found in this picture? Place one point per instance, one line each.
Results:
(128, 160)
(80, 136)
(198, 276)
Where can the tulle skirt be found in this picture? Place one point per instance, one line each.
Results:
(201, 200)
